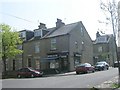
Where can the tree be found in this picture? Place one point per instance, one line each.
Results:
(10, 40)
(110, 9)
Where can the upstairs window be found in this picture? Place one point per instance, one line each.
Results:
(37, 47)
(100, 49)
(37, 33)
(53, 44)
(82, 32)
(22, 34)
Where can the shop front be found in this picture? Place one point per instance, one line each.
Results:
(57, 61)
(77, 59)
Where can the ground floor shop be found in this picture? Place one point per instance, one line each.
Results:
(53, 62)
(58, 61)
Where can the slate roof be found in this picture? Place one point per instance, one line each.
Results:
(58, 31)
(103, 39)
(62, 30)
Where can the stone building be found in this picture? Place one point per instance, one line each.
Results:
(61, 47)
(104, 49)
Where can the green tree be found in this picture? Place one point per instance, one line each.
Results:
(9, 42)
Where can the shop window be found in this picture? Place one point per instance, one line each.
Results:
(37, 64)
(77, 59)
(54, 64)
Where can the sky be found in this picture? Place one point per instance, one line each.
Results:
(27, 14)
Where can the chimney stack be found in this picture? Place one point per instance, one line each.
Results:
(59, 23)
(97, 34)
(42, 26)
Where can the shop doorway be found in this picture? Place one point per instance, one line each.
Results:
(13, 64)
(29, 62)
(64, 64)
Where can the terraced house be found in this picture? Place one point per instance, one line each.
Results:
(61, 47)
(15, 63)
(104, 48)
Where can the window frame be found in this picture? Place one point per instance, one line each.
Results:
(53, 44)
(37, 47)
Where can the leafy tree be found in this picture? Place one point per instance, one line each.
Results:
(9, 42)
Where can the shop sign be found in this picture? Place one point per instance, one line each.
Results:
(63, 56)
(77, 55)
(55, 55)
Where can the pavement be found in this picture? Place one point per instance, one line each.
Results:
(107, 85)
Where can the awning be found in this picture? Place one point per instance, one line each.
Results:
(48, 59)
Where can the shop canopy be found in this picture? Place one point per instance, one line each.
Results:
(48, 59)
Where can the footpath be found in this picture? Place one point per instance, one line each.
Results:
(107, 85)
(110, 84)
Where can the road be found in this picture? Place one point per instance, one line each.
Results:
(69, 81)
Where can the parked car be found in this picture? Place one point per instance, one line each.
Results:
(28, 72)
(102, 65)
(116, 63)
(84, 68)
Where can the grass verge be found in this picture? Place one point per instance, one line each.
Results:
(115, 85)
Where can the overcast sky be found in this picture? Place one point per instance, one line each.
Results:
(27, 14)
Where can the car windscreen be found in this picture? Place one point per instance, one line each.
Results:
(99, 63)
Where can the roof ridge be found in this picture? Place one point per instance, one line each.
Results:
(62, 30)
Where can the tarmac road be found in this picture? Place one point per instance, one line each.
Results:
(62, 81)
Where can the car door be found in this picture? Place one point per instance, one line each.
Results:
(22, 72)
(90, 67)
(27, 72)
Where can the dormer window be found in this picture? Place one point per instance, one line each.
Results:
(37, 33)
(22, 34)
(102, 39)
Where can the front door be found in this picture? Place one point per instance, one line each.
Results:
(13, 64)
(64, 64)
(29, 62)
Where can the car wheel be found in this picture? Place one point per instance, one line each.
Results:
(77, 72)
(93, 71)
(32, 75)
(107, 68)
(103, 68)
(19, 76)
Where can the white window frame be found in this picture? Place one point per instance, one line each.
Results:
(37, 33)
(100, 49)
(82, 32)
(53, 44)
(37, 47)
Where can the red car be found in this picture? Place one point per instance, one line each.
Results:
(84, 68)
(28, 72)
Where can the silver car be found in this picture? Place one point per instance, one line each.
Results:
(101, 66)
